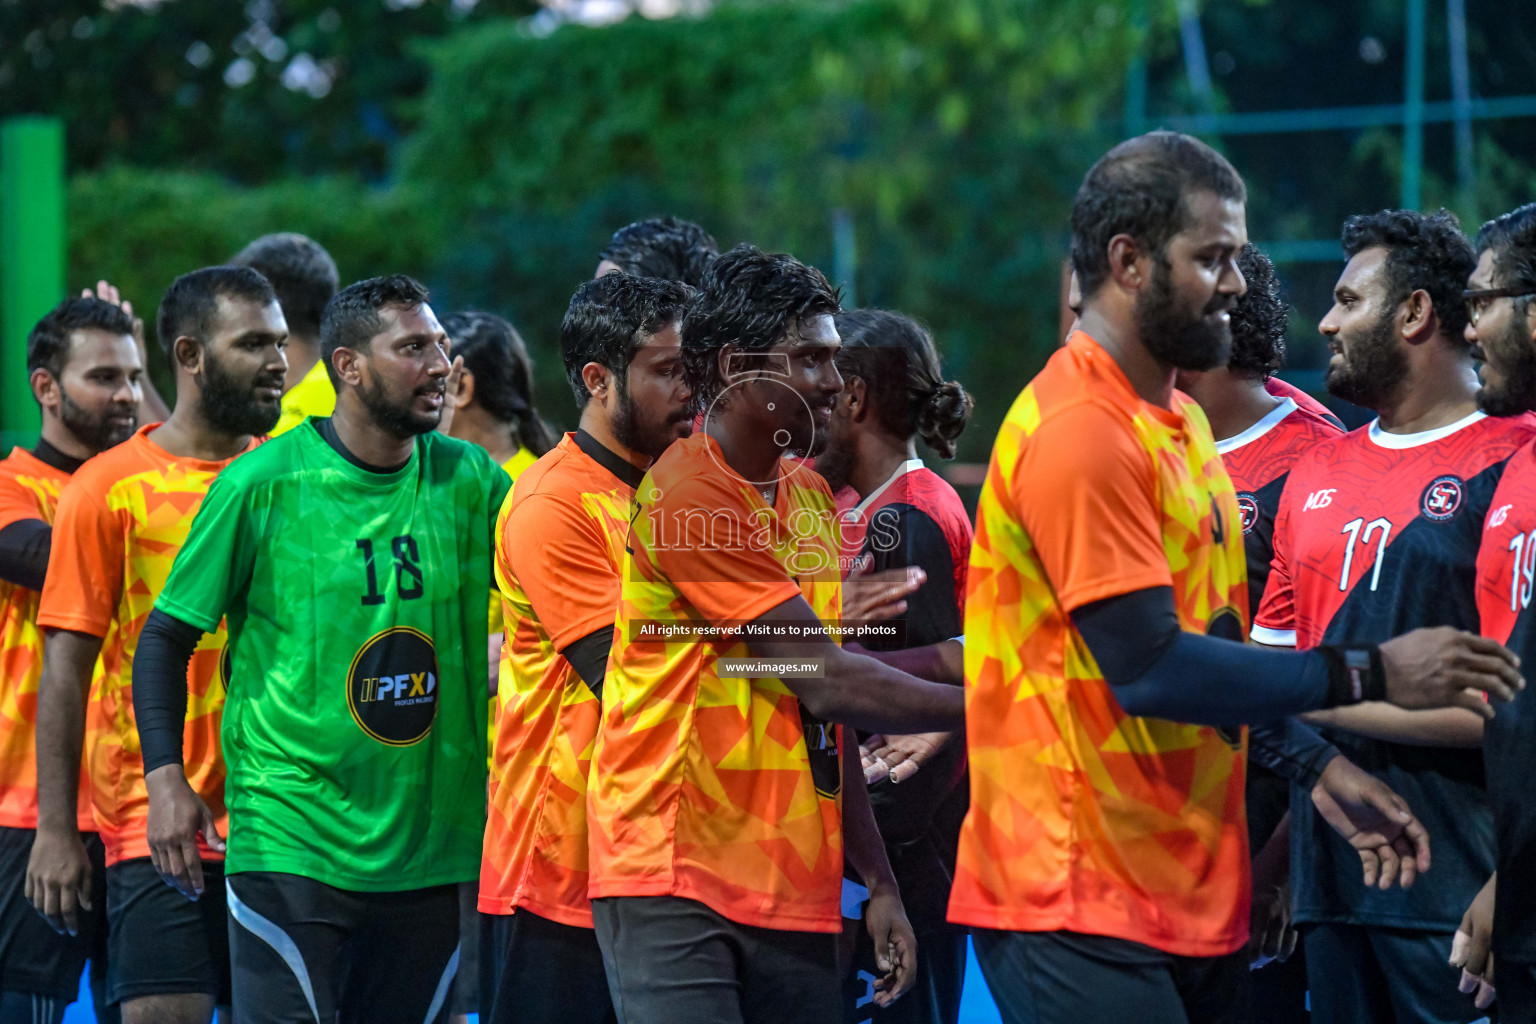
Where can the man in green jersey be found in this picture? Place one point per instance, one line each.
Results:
(352, 558)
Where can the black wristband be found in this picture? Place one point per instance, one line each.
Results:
(1355, 674)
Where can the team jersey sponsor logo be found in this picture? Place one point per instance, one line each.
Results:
(1319, 499)
(1497, 517)
(1443, 498)
(392, 686)
(821, 750)
(1248, 510)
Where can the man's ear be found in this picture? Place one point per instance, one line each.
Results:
(1418, 317)
(1125, 262)
(466, 390)
(598, 380)
(187, 355)
(727, 363)
(856, 398)
(348, 364)
(45, 388)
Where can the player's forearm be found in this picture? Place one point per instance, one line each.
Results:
(861, 835)
(1446, 727)
(859, 691)
(165, 649)
(68, 659)
(939, 663)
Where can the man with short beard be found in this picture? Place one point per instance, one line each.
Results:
(620, 344)
(120, 522)
(86, 376)
(1501, 308)
(351, 556)
(1377, 532)
(1103, 865)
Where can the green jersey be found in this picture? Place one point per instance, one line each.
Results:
(354, 727)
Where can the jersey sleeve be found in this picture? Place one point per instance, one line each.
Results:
(1275, 621)
(560, 559)
(17, 503)
(216, 561)
(933, 610)
(85, 564)
(1086, 493)
(709, 552)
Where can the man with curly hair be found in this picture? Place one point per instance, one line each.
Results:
(1377, 532)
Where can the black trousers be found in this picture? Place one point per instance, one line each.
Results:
(301, 950)
(1067, 978)
(671, 960)
(1386, 974)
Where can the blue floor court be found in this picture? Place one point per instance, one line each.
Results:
(976, 1007)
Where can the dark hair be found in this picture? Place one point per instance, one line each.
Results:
(606, 319)
(895, 357)
(1139, 189)
(302, 274)
(665, 247)
(1512, 238)
(189, 305)
(1259, 318)
(1424, 250)
(494, 352)
(750, 299)
(352, 317)
(48, 344)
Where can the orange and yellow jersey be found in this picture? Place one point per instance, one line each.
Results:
(1082, 817)
(718, 789)
(121, 521)
(559, 546)
(495, 621)
(29, 489)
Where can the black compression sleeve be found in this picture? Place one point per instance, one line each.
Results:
(160, 686)
(589, 657)
(24, 553)
(1290, 749)
(1159, 671)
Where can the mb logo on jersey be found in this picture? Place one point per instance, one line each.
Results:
(392, 686)
(1443, 498)
(1248, 511)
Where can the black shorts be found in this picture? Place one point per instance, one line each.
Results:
(538, 971)
(161, 943)
(466, 983)
(1068, 978)
(1356, 972)
(33, 957)
(673, 959)
(306, 951)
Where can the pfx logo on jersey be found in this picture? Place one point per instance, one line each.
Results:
(392, 686)
(1320, 499)
(1443, 498)
(1248, 511)
(1497, 517)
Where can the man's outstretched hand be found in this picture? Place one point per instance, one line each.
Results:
(1393, 845)
(1448, 667)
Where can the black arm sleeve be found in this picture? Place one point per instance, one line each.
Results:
(24, 553)
(1159, 671)
(160, 686)
(1291, 749)
(589, 657)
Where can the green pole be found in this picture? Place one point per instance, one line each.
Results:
(1135, 115)
(1413, 107)
(31, 257)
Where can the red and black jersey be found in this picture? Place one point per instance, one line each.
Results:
(1258, 460)
(1506, 576)
(1377, 534)
(915, 518)
(1304, 401)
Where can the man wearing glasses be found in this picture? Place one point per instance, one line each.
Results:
(1376, 534)
(1501, 310)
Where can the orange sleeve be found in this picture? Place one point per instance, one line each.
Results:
(85, 564)
(708, 542)
(16, 502)
(560, 558)
(1086, 493)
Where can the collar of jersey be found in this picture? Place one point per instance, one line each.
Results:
(1382, 439)
(1269, 422)
(853, 514)
(376, 478)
